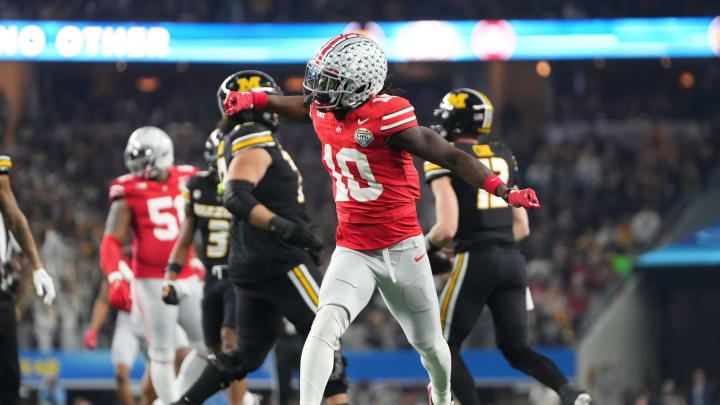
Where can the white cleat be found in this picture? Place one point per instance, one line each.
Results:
(429, 390)
(583, 399)
(251, 398)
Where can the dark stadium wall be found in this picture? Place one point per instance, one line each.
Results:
(620, 353)
(662, 326)
(690, 304)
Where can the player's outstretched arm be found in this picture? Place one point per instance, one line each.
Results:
(101, 307)
(172, 293)
(429, 145)
(246, 170)
(18, 225)
(181, 249)
(292, 107)
(113, 261)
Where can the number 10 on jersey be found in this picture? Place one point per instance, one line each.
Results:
(355, 190)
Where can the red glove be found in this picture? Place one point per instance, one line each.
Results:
(237, 101)
(119, 295)
(90, 339)
(525, 198)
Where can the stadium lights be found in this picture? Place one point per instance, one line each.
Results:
(543, 69)
(77, 41)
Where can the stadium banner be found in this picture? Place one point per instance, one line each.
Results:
(77, 41)
(700, 249)
(93, 369)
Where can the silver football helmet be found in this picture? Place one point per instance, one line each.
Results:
(347, 71)
(148, 151)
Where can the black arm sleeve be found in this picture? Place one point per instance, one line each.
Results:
(238, 198)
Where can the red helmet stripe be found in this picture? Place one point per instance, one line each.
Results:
(334, 42)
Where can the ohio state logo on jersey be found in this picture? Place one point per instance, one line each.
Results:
(363, 137)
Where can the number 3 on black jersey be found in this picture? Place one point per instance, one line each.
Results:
(217, 245)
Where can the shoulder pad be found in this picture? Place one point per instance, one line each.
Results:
(433, 171)
(249, 135)
(383, 98)
(192, 183)
(485, 149)
(117, 191)
(186, 168)
(396, 113)
(127, 186)
(125, 178)
(200, 175)
(501, 147)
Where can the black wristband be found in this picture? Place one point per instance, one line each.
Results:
(505, 195)
(176, 267)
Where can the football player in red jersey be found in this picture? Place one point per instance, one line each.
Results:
(368, 138)
(148, 202)
(128, 337)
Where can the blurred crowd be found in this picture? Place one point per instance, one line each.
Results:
(341, 10)
(700, 391)
(607, 179)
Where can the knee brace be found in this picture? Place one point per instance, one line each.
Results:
(330, 323)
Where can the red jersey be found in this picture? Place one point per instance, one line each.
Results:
(375, 186)
(158, 210)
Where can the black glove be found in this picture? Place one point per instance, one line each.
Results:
(439, 262)
(294, 233)
(169, 294)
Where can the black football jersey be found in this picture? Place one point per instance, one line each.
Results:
(484, 218)
(212, 219)
(256, 253)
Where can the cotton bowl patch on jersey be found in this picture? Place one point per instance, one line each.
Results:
(363, 137)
